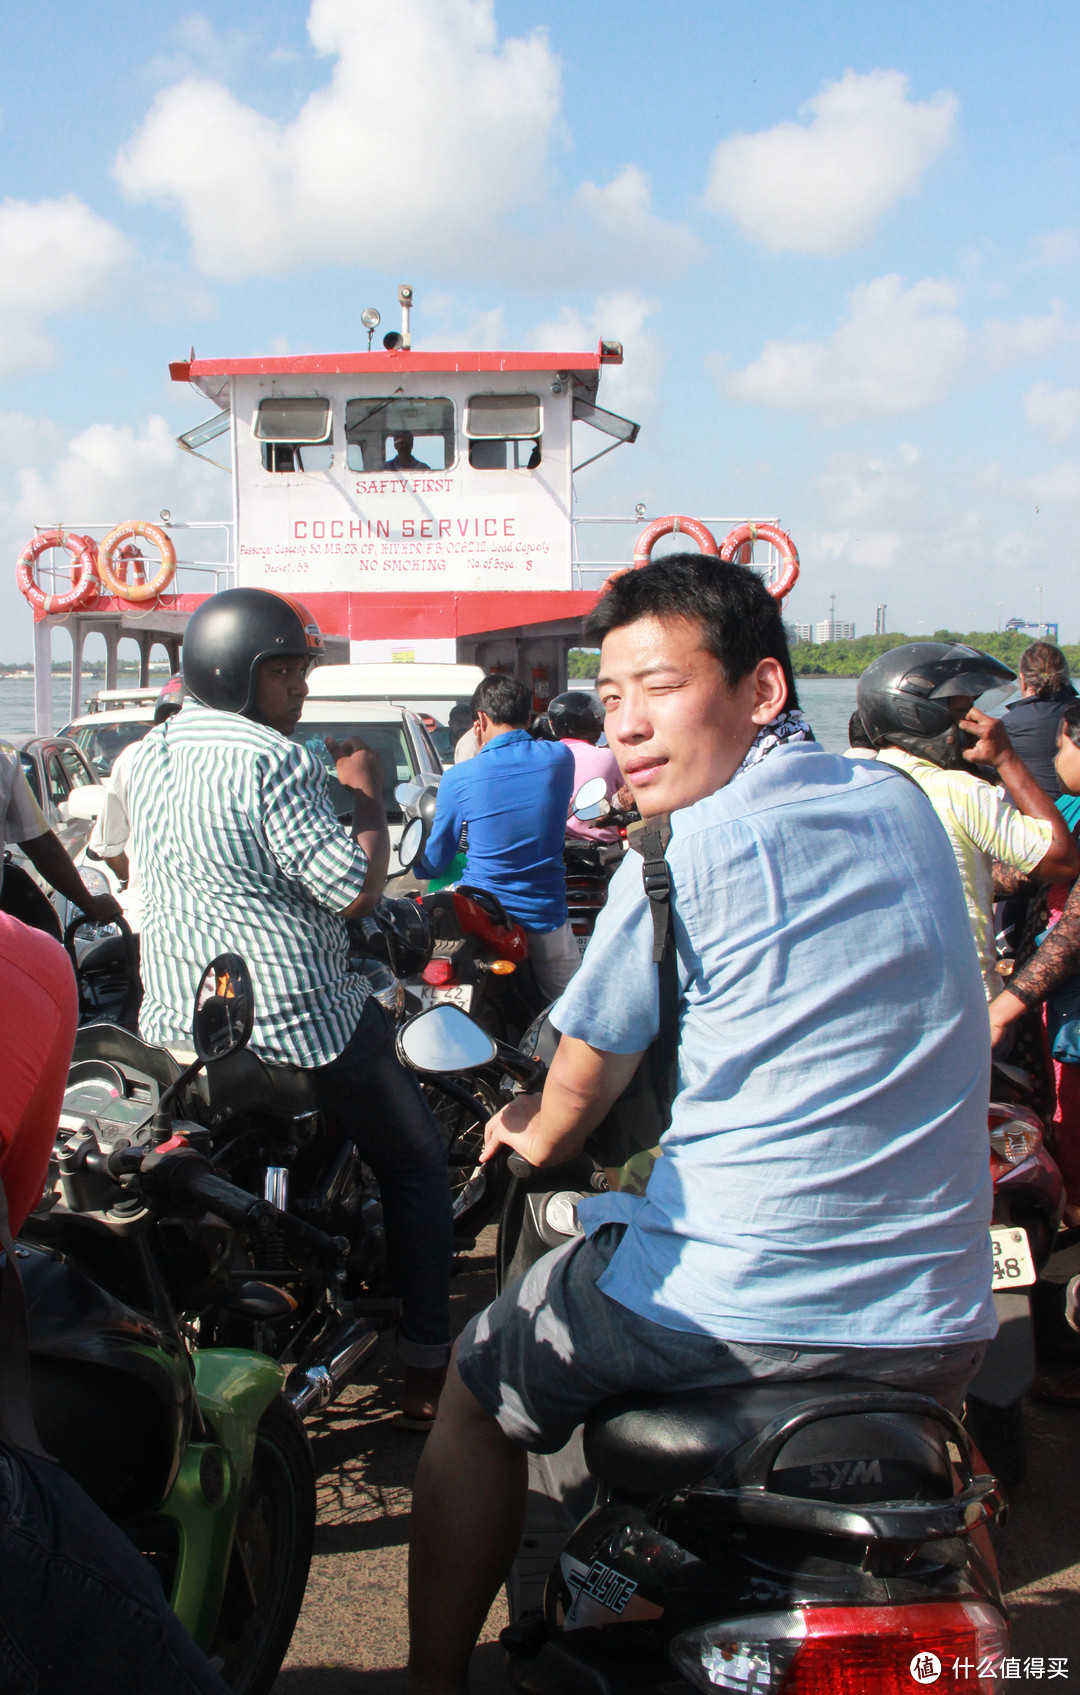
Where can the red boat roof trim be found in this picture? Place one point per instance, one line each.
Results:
(334, 364)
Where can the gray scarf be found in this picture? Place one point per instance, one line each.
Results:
(787, 727)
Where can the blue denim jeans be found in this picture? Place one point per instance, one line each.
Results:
(368, 1093)
(81, 1611)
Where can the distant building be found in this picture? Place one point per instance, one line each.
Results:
(834, 630)
(803, 632)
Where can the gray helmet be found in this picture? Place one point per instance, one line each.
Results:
(903, 696)
(577, 714)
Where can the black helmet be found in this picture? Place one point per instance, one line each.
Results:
(576, 714)
(171, 697)
(231, 632)
(903, 696)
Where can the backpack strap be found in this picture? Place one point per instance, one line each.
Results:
(650, 838)
(16, 1415)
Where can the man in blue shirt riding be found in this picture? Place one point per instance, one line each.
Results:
(513, 798)
(823, 1202)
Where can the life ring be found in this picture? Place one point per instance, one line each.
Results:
(674, 525)
(85, 585)
(738, 548)
(116, 580)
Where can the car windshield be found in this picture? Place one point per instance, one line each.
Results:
(104, 743)
(389, 741)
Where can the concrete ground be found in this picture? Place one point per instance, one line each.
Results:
(351, 1638)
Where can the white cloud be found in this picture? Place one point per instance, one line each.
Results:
(822, 186)
(104, 474)
(899, 348)
(619, 316)
(441, 155)
(1027, 340)
(1056, 248)
(1054, 412)
(57, 254)
(428, 131)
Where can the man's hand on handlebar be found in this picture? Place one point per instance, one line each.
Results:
(510, 1127)
(103, 909)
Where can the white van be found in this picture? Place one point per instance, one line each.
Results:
(428, 690)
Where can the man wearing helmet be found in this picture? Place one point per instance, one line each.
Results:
(577, 720)
(239, 849)
(917, 703)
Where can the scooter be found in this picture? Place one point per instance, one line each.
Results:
(192, 1450)
(1029, 1202)
(781, 1537)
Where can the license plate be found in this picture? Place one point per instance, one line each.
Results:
(582, 943)
(1014, 1267)
(458, 994)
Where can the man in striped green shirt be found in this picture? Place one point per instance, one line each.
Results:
(239, 849)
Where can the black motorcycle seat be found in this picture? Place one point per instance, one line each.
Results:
(242, 1082)
(655, 1444)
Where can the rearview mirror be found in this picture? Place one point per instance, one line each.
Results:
(224, 1009)
(411, 845)
(84, 802)
(444, 1039)
(591, 802)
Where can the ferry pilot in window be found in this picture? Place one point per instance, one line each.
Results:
(403, 459)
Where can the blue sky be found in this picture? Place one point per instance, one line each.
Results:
(840, 244)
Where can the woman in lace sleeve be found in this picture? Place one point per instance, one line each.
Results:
(1052, 965)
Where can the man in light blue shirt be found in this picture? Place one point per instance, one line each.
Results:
(512, 798)
(823, 1200)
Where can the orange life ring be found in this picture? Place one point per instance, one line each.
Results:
(738, 548)
(674, 525)
(85, 584)
(116, 580)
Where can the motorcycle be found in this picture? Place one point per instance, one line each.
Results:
(191, 1448)
(309, 1290)
(1029, 1202)
(774, 1537)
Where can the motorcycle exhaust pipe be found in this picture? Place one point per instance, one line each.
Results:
(315, 1385)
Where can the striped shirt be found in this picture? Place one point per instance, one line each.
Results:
(239, 850)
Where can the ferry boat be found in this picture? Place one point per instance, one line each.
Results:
(421, 503)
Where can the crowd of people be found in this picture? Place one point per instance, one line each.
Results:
(822, 1205)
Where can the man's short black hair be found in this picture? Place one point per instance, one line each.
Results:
(460, 720)
(505, 700)
(740, 621)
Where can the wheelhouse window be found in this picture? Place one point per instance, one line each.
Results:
(399, 433)
(504, 432)
(295, 433)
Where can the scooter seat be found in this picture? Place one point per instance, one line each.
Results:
(654, 1444)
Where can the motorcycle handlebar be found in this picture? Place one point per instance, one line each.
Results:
(187, 1178)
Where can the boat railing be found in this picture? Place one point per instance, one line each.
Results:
(590, 570)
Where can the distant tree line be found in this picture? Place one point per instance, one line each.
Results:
(850, 659)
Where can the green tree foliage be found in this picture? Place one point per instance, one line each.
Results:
(582, 662)
(850, 659)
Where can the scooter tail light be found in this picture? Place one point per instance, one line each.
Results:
(1015, 1141)
(849, 1650)
(438, 972)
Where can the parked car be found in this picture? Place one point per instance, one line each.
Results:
(103, 735)
(404, 746)
(428, 690)
(56, 770)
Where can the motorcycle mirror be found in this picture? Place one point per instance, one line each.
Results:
(444, 1039)
(591, 802)
(224, 1009)
(408, 795)
(411, 845)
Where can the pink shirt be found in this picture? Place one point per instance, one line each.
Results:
(589, 762)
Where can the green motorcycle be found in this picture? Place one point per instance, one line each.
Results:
(194, 1452)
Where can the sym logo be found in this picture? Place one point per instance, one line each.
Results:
(838, 1473)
